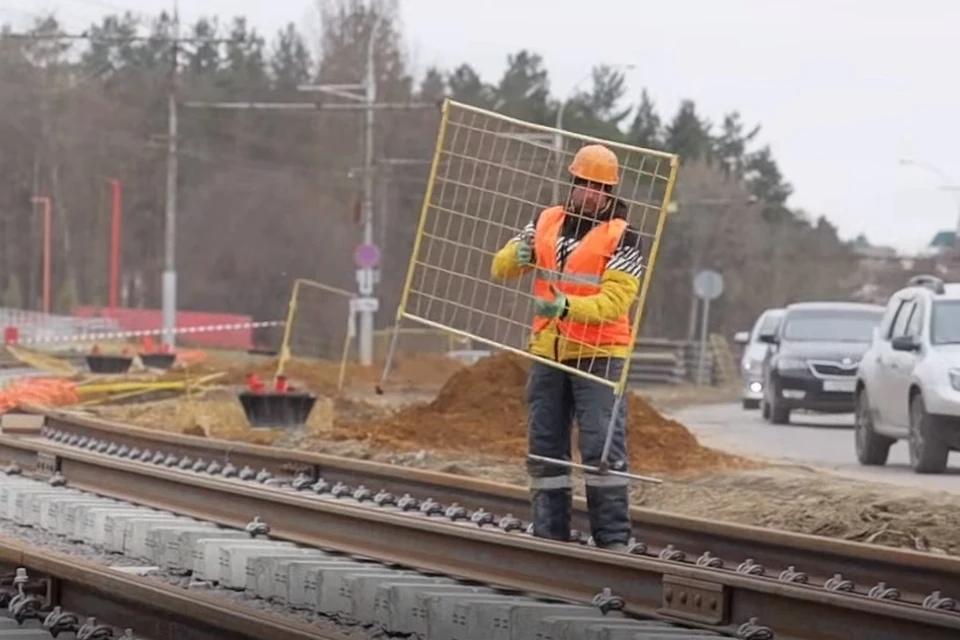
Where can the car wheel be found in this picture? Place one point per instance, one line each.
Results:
(779, 414)
(927, 453)
(749, 404)
(872, 448)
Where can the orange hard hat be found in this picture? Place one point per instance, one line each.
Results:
(596, 163)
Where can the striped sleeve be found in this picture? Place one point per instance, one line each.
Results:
(628, 258)
(527, 232)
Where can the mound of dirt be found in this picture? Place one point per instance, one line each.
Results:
(482, 410)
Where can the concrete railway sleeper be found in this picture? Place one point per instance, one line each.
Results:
(46, 595)
(737, 601)
(841, 565)
(360, 593)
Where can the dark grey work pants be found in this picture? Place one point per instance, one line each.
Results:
(554, 399)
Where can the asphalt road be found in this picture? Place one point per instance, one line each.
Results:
(819, 441)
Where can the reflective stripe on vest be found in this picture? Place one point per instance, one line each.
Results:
(571, 278)
(581, 276)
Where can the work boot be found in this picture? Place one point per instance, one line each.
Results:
(608, 509)
(551, 513)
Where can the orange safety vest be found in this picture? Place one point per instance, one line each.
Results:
(581, 276)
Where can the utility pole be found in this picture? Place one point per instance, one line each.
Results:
(169, 283)
(367, 255)
(362, 96)
(389, 178)
(169, 279)
(367, 277)
(47, 230)
(116, 209)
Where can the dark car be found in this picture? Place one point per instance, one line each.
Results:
(813, 362)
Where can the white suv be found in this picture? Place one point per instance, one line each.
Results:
(908, 383)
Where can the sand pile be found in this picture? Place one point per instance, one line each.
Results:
(481, 410)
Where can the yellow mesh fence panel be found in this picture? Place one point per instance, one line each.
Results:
(491, 177)
(318, 328)
(318, 324)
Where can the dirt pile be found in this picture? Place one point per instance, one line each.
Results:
(481, 410)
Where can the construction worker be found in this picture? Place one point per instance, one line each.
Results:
(588, 266)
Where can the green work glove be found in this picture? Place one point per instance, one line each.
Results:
(551, 308)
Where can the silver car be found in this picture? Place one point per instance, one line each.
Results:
(754, 351)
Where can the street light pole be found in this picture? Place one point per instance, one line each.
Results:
(47, 228)
(367, 276)
(168, 288)
(951, 186)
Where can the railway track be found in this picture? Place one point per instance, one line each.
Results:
(359, 596)
(739, 581)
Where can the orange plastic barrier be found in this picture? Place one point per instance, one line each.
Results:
(38, 391)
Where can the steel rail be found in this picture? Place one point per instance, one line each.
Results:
(751, 549)
(151, 608)
(717, 599)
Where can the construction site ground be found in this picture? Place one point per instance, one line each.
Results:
(437, 415)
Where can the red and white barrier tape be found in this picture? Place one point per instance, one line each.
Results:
(141, 333)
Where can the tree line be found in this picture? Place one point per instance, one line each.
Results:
(270, 195)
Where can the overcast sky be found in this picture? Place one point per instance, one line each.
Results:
(843, 89)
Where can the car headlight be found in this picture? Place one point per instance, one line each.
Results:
(955, 379)
(791, 363)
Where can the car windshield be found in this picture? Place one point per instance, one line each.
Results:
(767, 325)
(945, 322)
(831, 326)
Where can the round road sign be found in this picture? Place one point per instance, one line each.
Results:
(366, 256)
(708, 284)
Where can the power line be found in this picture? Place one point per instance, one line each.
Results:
(362, 96)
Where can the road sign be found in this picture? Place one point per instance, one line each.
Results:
(708, 284)
(360, 305)
(366, 256)
(366, 278)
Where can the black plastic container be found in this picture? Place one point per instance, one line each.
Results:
(99, 363)
(272, 409)
(158, 360)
